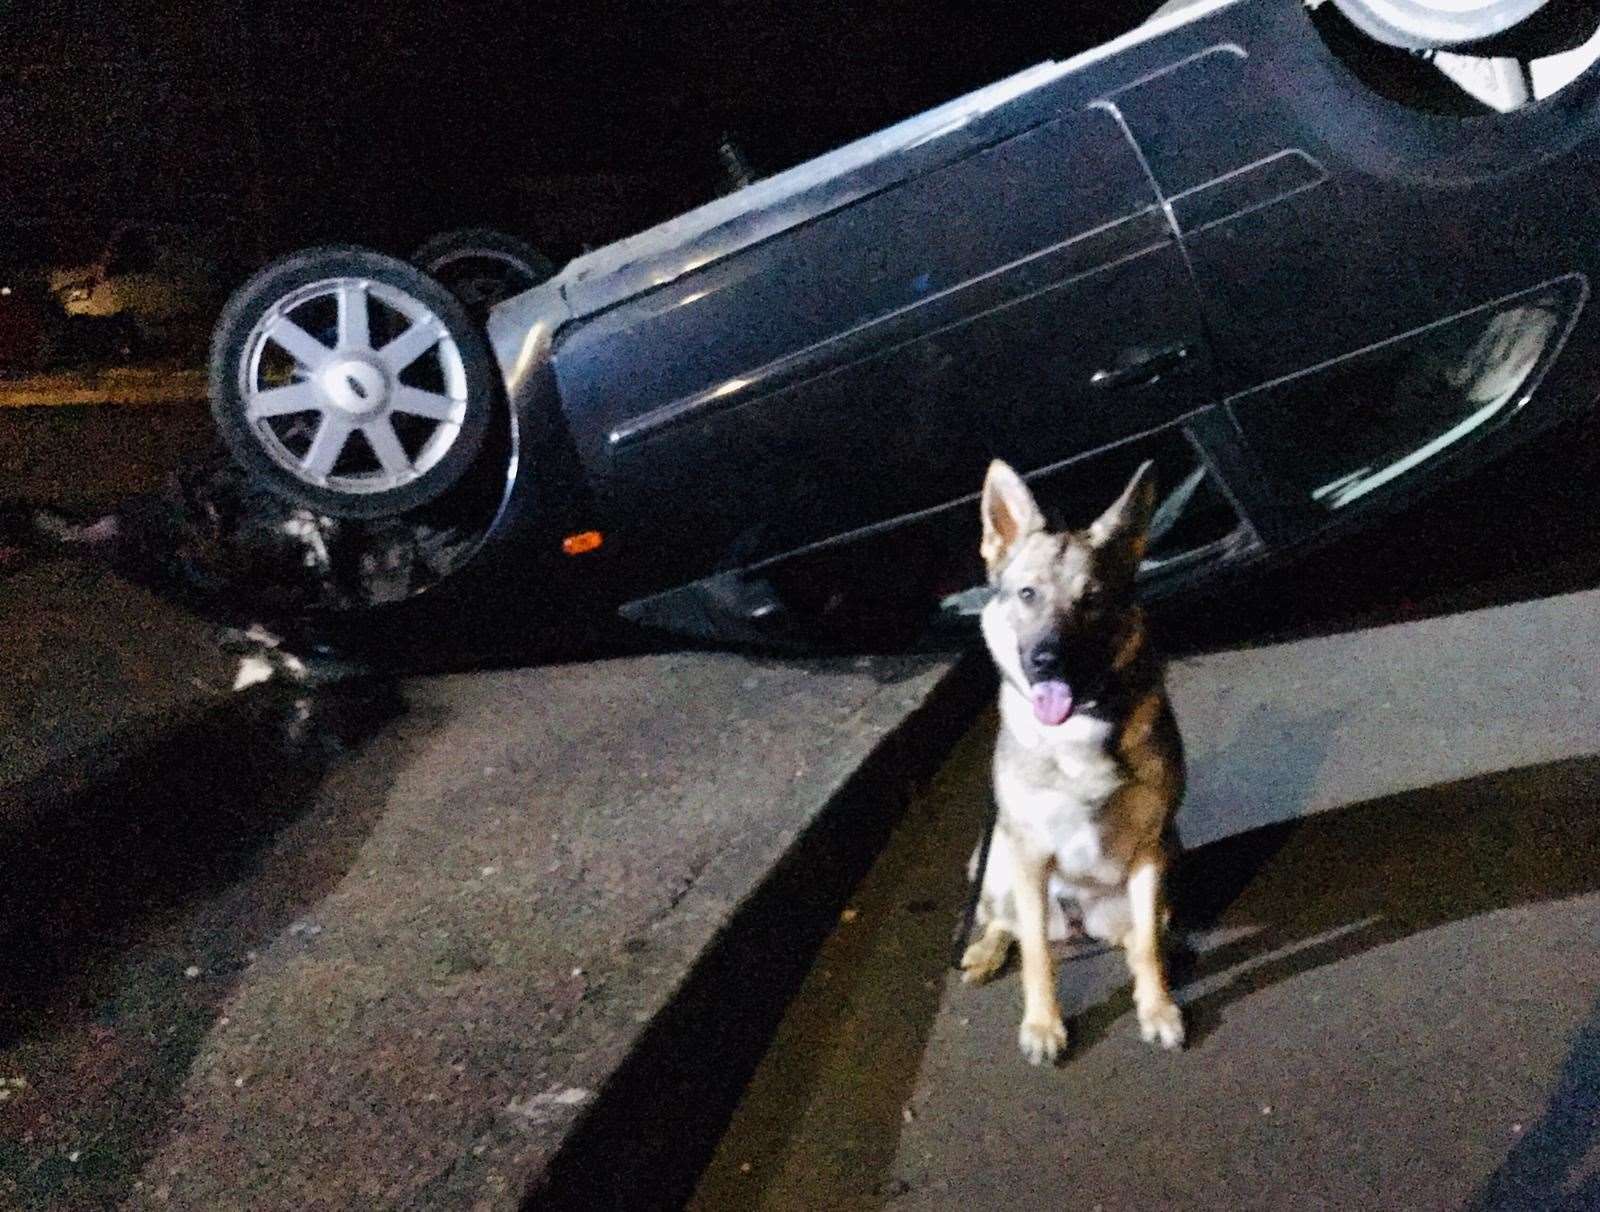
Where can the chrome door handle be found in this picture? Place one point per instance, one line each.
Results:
(1140, 367)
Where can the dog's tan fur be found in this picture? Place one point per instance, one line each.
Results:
(1086, 806)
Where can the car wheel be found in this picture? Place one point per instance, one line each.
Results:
(1435, 24)
(351, 382)
(482, 267)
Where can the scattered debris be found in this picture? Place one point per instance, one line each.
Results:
(907, 1114)
(257, 634)
(215, 538)
(744, 1167)
(313, 531)
(486, 872)
(253, 670)
(1266, 1108)
(74, 1155)
(192, 971)
(542, 1107)
(849, 915)
(307, 929)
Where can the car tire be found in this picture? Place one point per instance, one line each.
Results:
(482, 267)
(325, 384)
(1433, 24)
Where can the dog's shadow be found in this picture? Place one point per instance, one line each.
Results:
(1267, 905)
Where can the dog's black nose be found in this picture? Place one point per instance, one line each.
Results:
(1044, 658)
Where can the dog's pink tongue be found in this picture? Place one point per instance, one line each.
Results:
(1052, 702)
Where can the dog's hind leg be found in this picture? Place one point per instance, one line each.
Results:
(996, 912)
(1159, 1018)
(984, 958)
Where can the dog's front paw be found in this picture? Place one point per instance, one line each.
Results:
(1162, 1023)
(1042, 1042)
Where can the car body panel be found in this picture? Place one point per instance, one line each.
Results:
(825, 360)
(897, 344)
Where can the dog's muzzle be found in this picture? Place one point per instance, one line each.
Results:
(1043, 664)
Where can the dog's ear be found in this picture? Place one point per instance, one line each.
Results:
(1128, 518)
(1009, 513)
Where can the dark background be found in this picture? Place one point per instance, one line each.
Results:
(571, 123)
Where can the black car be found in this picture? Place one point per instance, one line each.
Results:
(1229, 241)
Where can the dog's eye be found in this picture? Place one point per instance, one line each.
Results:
(1027, 593)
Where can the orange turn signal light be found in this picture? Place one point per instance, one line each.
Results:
(582, 542)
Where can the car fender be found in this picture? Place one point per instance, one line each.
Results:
(522, 333)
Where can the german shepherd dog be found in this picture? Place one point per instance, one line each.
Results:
(1088, 769)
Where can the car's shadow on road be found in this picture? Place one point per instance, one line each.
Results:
(139, 876)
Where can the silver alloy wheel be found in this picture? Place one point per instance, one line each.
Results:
(353, 386)
(1434, 24)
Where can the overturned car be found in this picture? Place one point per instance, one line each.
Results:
(1213, 243)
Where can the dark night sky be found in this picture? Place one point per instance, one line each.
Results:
(381, 122)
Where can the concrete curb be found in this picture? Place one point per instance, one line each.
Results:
(572, 904)
(643, 1142)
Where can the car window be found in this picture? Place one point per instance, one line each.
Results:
(1407, 401)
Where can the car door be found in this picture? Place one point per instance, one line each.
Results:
(1027, 301)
